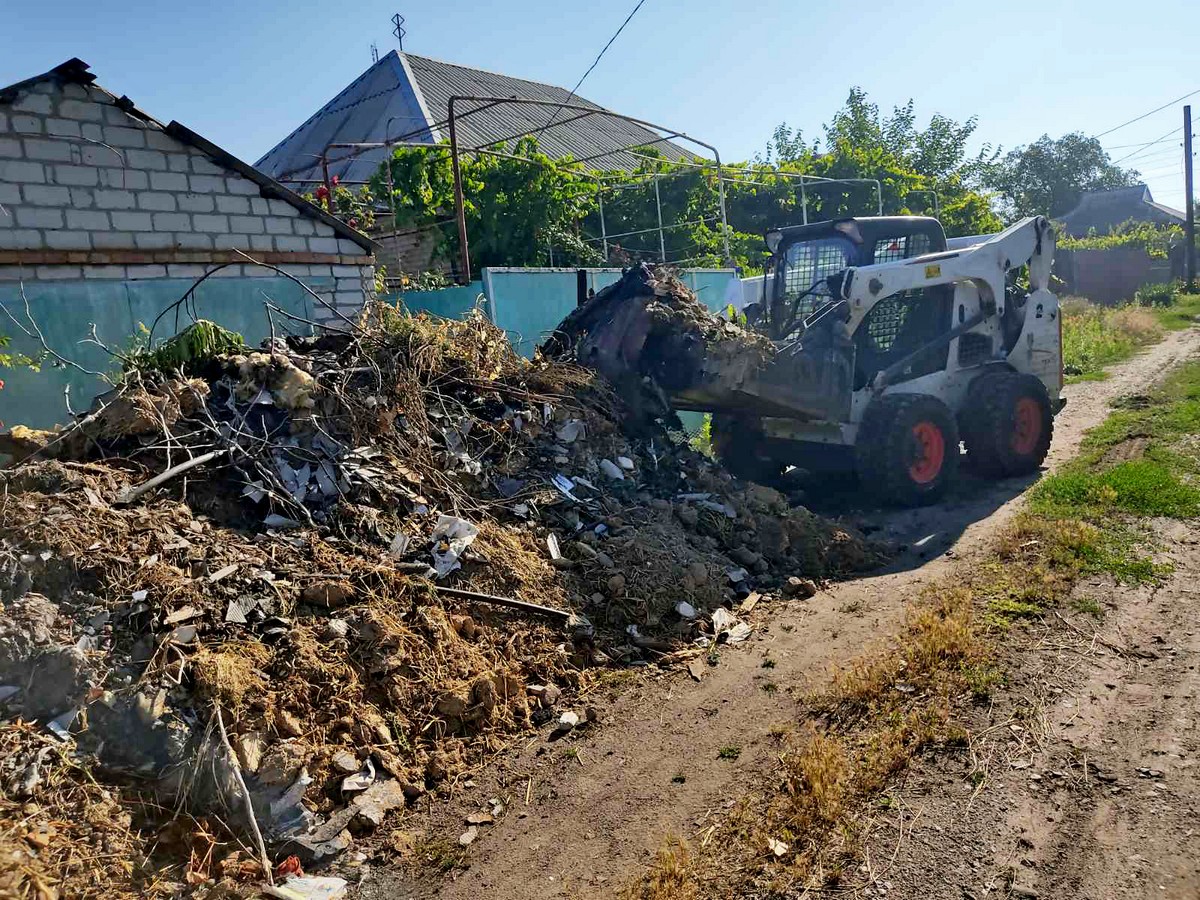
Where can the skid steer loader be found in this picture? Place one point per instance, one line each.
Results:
(890, 350)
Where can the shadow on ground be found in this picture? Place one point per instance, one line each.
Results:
(917, 535)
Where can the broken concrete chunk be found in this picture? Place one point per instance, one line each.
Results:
(249, 750)
(566, 722)
(799, 587)
(611, 470)
(329, 594)
(372, 806)
(570, 432)
(467, 838)
(625, 463)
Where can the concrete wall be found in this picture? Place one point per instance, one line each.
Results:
(65, 312)
(1109, 277)
(529, 303)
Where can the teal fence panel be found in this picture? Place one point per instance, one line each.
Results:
(65, 311)
(529, 303)
(449, 303)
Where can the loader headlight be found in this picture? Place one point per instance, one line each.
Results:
(773, 238)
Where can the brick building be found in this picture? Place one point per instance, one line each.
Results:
(107, 216)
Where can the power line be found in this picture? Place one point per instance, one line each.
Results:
(1144, 115)
(1170, 134)
(595, 62)
(1138, 146)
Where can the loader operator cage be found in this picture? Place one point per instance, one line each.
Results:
(807, 255)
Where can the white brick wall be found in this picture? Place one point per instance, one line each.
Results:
(62, 189)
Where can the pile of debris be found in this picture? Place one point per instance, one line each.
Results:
(289, 591)
(650, 336)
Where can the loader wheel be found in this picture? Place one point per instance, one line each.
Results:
(907, 449)
(738, 446)
(1007, 424)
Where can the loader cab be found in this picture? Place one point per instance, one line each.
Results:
(805, 256)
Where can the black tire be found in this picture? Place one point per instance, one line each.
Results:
(1007, 424)
(907, 449)
(739, 446)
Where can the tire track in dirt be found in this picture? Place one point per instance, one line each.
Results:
(595, 818)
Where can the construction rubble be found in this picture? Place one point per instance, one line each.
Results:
(258, 602)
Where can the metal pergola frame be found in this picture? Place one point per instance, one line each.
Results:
(454, 117)
(489, 102)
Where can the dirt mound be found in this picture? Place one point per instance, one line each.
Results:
(321, 579)
(649, 334)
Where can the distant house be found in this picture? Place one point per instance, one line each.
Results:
(1102, 211)
(405, 97)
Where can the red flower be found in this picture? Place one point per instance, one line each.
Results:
(322, 192)
(334, 180)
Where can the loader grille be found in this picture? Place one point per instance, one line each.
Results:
(885, 321)
(807, 264)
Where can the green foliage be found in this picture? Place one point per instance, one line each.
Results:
(1144, 460)
(355, 208)
(1156, 240)
(1159, 295)
(1098, 336)
(1049, 176)
(518, 210)
(1143, 486)
(197, 344)
(14, 360)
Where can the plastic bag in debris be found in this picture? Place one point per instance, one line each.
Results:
(309, 887)
(360, 780)
(451, 537)
(727, 628)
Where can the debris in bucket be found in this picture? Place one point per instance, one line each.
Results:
(376, 616)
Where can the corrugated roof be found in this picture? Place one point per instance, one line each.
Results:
(380, 104)
(569, 136)
(407, 96)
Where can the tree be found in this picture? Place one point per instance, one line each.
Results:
(518, 206)
(1049, 176)
(911, 165)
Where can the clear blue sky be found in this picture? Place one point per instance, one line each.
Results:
(245, 74)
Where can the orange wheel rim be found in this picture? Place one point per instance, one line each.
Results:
(930, 452)
(1027, 426)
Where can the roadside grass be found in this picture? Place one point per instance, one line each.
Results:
(1098, 336)
(805, 826)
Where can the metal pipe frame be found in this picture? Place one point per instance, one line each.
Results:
(460, 209)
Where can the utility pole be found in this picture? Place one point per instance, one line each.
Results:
(1189, 231)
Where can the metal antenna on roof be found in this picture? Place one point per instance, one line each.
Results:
(399, 31)
(374, 53)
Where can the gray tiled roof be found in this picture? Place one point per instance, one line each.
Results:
(1103, 210)
(382, 104)
(579, 138)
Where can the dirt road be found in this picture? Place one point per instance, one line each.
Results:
(1087, 764)
(670, 752)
